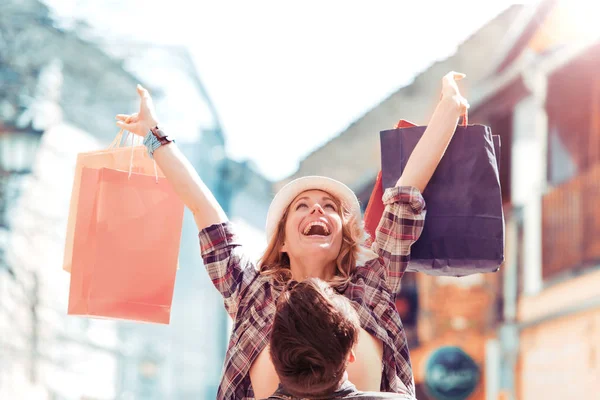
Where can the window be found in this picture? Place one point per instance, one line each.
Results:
(573, 121)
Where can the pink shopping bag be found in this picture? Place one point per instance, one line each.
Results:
(114, 157)
(125, 249)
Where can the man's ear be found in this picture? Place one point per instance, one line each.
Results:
(351, 356)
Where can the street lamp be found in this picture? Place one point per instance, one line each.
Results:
(18, 148)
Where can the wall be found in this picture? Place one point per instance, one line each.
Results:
(353, 157)
(560, 359)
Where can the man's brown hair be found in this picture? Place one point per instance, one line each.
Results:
(313, 333)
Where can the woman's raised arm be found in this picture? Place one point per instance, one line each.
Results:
(431, 147)
(177, 169)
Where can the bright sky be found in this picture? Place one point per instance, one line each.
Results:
(288, 76)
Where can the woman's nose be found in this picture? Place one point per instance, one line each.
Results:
(317, 208)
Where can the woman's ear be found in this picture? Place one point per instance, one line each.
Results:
(283, 248)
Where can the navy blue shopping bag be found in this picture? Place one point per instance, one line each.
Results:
(464, 227)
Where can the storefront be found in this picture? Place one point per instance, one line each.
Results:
(559, 341)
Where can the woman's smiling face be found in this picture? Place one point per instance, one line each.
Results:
(313, 225)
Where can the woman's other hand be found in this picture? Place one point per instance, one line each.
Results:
(451, 93)
(140, 122)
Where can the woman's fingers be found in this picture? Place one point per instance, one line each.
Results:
(147, 115)
(131, 127)
(128, 118)
(450, 90)
(458, 76)
(137, 122)
(144, 94)
(454, 76)
(124, 125)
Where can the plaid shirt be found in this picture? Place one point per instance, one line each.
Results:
(250, 298)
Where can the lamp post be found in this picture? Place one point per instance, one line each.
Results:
(18, 147)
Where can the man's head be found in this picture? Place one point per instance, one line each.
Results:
(313, 336)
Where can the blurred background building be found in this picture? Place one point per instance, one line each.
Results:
(57, 99)
(532, 328)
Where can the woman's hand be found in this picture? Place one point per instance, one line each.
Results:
(429, 151)
(140, 122)
(451, 93)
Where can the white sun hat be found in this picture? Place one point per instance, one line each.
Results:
(289, 192)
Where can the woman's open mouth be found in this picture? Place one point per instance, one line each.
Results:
(316, 228)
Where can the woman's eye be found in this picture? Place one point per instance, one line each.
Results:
(331, 206)
(299, 206)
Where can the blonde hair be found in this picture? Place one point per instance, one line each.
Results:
(276, 264)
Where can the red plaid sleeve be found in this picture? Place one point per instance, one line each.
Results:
(230, 270)
(400, 226)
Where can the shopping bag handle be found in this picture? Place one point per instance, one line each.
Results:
(465, 118)
(116, 143)
(118, 140)
(131, 159)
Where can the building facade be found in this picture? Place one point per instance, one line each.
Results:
(544, 96)
(66, 91)
(532, 328)
(437, 312)
(79, 87)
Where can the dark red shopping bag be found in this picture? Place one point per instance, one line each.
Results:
(375, 207)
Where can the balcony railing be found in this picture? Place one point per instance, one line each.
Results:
(571, 224)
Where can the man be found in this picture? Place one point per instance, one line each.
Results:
(313, 338)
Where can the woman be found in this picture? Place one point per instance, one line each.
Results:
(314, 230)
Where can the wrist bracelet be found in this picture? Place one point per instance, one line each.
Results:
(154, 139)
(151, 143)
